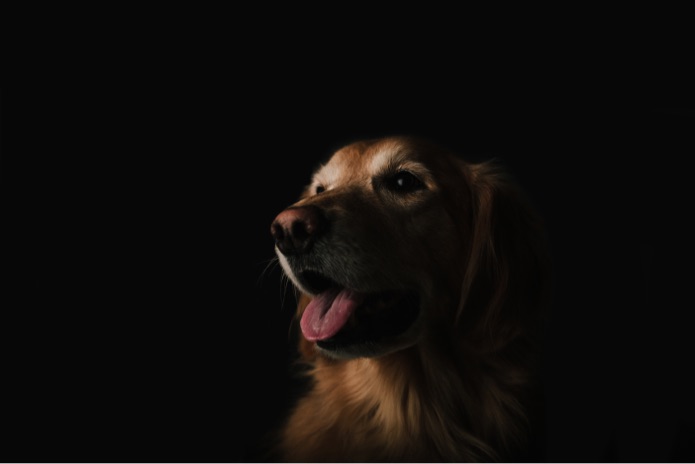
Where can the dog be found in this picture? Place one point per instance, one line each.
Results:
(423, 283)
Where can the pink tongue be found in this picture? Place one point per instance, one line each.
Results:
(326, 314)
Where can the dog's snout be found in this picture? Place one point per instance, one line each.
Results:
(296, 228)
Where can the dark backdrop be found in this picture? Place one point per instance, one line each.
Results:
(141, 318)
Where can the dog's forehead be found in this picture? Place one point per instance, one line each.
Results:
(363, 160)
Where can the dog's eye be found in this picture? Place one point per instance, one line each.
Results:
(320, 189)
(404, 182)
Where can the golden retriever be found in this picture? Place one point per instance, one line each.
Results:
(423, 281)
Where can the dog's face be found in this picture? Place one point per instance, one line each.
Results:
(375, 242)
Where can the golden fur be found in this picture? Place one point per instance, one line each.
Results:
(461, 383)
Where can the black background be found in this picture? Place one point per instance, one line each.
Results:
(143, 319)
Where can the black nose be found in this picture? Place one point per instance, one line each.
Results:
(296, 228)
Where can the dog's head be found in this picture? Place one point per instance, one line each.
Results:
(397, 239)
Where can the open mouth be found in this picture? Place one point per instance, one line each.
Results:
(338, 318)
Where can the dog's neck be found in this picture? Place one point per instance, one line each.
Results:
(434, 401)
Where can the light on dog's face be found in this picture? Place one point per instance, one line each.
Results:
(390, 170)
(366, 242)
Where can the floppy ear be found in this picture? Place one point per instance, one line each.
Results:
(506, 280)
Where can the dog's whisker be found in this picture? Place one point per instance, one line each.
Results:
(270, 264)
(283, 282)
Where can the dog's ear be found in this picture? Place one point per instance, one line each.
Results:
(506, 279)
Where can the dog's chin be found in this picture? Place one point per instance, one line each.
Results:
(339, 349)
